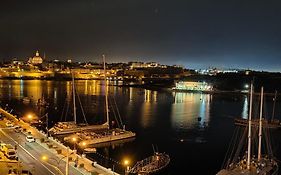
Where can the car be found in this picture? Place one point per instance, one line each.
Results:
(30, 138)
(26, 172)
(9, 124)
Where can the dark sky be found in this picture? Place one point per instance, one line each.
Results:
(193, 33)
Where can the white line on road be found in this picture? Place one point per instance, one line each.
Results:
(27, 151)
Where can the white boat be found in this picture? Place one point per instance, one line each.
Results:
(91, 138)
(69, 127)
(249, 164)
(90, 150)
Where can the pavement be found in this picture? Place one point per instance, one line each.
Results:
(30, 154)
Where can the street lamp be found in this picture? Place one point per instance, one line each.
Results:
(126, 163)
(45, 159)
(74, 139)
(29, 116)
(83, 146)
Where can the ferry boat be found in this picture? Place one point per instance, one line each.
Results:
(263, 164)
(151, 164)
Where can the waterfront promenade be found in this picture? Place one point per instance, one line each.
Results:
(52, 148)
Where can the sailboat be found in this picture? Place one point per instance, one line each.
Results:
(272, 123)
(70, 127)
(91, 138)
(263, 164)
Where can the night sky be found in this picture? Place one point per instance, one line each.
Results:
(192, 33)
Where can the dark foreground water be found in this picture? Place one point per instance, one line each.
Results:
(162, 120)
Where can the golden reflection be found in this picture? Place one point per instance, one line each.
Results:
(148, 108)
(190, 110)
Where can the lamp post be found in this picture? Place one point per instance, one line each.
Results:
(127, 167)
(83, 147)
(67, 162)
(45, 159)
(74, 139)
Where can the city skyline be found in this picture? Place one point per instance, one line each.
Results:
(195, 34)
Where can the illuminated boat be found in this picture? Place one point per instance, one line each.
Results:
(151, 164)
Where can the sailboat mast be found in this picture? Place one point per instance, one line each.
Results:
(106, 98)
(249, 129)
(260, 127)
(73, 94)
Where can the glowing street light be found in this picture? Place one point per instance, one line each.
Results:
(29, 116)
(126, 163)
(45, 158)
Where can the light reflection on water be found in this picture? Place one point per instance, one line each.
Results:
(162, 118)
(190, 110)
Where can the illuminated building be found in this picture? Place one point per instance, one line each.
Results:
(36, 59)
(193, 86)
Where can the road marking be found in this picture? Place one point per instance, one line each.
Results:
(27, 152)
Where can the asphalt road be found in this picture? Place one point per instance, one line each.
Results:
(31, 154)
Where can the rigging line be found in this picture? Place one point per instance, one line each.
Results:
(235, 145)
(270, 150)
(273, 108)
(82, 110)
(108, 158)
(114, 112)
(118, 113)
(241, 143)
(241, 132)
(62, 114)
(224, 164)
(67, 109)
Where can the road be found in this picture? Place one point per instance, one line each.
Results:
(31, 154)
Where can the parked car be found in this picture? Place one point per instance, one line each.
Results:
(26, 172)
(30, 138)
(9, 151)
(9, 124)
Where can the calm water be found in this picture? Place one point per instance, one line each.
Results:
(167, 120)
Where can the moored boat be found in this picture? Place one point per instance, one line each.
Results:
(151, 164)
(91, 138)
(265, 163)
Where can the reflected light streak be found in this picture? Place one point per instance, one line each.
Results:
(245, 108)
(188, 107)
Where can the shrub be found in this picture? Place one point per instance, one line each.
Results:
(42, 140)
(81, 165)
(59, 151)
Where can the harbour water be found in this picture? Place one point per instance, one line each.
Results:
(194, 129)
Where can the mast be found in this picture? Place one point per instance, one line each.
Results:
(249, 129)
(260, 128)
(106, 98)
(73, 94)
